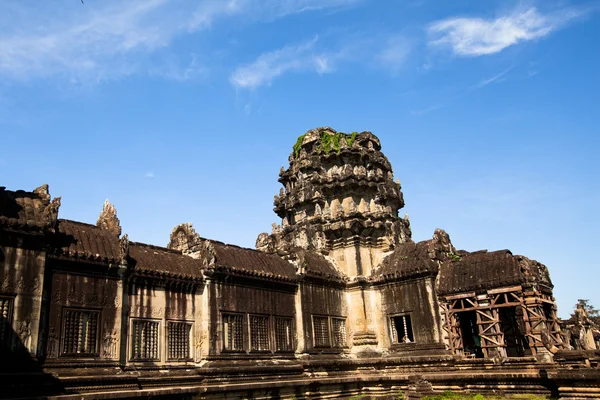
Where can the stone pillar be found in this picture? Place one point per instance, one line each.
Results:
(300, 345)
(124, 284)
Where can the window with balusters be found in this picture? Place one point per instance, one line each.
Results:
(144, 341)
(5, 320)
(233, 332)
(338, 330)
(321, 331)
(179, 338)
(259, 333)
(80, 332)
(401, 329)
(329, 331)
(284, 334)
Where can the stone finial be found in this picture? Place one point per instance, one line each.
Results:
(50, 214)
(184, 238)
(265, 243)
(124, 249)
(43, 192)
(108, 219)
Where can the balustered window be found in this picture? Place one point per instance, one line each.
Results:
(321, 331)
(144, 341)
(179, 340)
(401, 327)
(338, 326)
(233, 332)
(283, 334)
(80, 334)
(259, 333)
(5, 320)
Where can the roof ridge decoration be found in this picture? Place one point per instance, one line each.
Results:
(185, 239)
(124, 249)
(108, 219)
(43, 192)
(50, 214)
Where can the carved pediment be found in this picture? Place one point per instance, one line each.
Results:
(108, 219)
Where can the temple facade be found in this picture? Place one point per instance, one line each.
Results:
(338, 288)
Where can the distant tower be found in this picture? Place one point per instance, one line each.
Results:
(339, 198)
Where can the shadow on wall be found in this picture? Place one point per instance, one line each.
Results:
(21, 375)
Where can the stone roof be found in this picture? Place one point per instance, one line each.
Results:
(229, 258)
(315, 265)
(86, 242)
(489, 270)
(408, 260)
(27, 211)
(412, 260)
(160, 261)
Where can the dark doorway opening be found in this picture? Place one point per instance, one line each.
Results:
(514, 339)
(469, 332)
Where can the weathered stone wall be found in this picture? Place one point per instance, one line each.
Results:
(72, 290)
(21, 281)
(242, 298)
(417, 299)
(164, 304)
(321, 301)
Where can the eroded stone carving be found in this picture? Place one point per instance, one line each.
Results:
(108, 219)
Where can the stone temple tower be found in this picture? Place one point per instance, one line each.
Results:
(339, 198)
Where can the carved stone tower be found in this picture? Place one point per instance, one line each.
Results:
(339, 198)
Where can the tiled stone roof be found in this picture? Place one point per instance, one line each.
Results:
(86, 242)
(488, 270)
(252, 263)
(156, 260)
(408, 260)
(25, 210)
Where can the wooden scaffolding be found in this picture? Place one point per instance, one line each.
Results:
(536, 314)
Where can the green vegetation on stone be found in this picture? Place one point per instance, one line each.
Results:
(329, 141)
(454, 257)
(298, 145)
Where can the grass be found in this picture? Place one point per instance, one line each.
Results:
(456, 396)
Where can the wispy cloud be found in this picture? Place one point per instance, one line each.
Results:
(103, 40)
(395, 52)
(324, 56)
(426, 110)
(499, 77)
(149, 175)
(477, 36)
(268, 66)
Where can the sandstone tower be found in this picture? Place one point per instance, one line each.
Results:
(340, 199)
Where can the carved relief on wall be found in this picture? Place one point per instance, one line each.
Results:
(25, 333)
(53, 344)
(147, 311)
(198, 346)
(81, 297)
(177, 313)
(109, 343)
(21, 285)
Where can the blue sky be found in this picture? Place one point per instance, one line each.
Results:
(184, 111)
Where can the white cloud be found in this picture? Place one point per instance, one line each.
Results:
(478, 36)
(395, 53)
(319, 57)
(268, 66)
(105, 39)
(149, 175)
